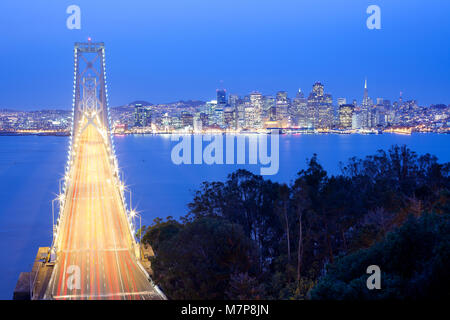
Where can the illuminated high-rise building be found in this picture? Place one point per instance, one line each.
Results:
(326, 112)
(221, 97)
(300, 110)
(256, 102)
(233, 100)
(211, 111)
(229, 117)
(341, 101)
(256, 99)
(221, 107)
(320, 108)
(233, 103)
(249, 116)
(299, 94)
(142, 116)
(318, 89)
(187, 119)
(204, 119)
(346, 116)
(165, 122)
(269, 109)
(365, 107)
(281, 107)
(197, 124)
(357, 119)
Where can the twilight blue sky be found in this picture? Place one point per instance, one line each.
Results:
(166, 50)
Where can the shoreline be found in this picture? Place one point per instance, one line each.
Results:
(17, 134)
(62, 134)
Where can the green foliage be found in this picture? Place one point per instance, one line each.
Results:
(202, 259)
(413, 259)
(161, 231)
(244, 287)
(287, 237)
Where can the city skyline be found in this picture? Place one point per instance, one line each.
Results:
(185, 51)
(314, 112)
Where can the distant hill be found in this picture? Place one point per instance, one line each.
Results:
(179, 104)
(123, 108)
(189, 103)
(439, 106)
(144, 103)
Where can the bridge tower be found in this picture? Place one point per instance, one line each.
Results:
(89, 102)
(90, 93)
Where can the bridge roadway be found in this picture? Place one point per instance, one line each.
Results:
(94, 234)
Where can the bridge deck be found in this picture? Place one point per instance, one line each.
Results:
(94, 234)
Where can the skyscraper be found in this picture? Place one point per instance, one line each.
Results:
(366, 94)
(318, 89)
(187, 119)
(365, 107)
(282, 106)
(229, 117)
(204, 119)
(256, 102)
(320, 111)
(233, 100)
(221, 97)
(300, 110)
(142, 116)
(220, 107)
(345, 116)
(233, 103)
(269, 109)
(211, 111)
(326, 115)
(341, 101)
(357, 119)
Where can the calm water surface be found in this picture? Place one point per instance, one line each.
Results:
(30, 167)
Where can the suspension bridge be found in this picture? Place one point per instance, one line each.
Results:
(94, 253)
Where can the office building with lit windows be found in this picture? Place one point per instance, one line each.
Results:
(346, 116)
